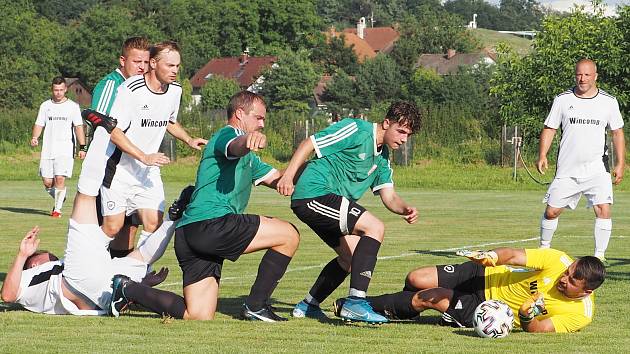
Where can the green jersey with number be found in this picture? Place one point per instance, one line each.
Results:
(224, 183)
(348, 162)
(105, 91)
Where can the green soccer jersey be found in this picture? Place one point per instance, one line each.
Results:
(348, 162)
(105, 91)
(224, 183)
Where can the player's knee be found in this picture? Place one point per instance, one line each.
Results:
(551, 214)
(376, 230)
(198, 315)
(415, 279)
(293, 236)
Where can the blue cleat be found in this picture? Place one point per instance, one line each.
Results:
(302, 309)
(357, 309)
(119, 301)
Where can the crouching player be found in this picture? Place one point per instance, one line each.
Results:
(352, 156)
(553, 293)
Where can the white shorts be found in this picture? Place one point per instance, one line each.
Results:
(566, 192)
(59, 166)
(88, 267)
(126, 198)
(93, 167)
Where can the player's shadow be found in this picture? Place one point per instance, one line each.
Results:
(25, 211)
(8, 306)
(3, 276)
(447, 254)
(615, 263)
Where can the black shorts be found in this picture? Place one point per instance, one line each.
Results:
(467, 280)
(331, 216)
(202, 246)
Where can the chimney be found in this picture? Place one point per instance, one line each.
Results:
(244, 56)
(361, 27)
(450, 53)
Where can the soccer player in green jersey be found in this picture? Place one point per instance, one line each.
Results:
(352, 156)
(550, 291)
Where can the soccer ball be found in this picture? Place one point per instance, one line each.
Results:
(493, 319)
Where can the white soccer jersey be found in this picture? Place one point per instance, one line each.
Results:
(583, 122)
(143, 115)
(58, 120)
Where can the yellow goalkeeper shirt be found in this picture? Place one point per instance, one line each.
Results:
(544, 268)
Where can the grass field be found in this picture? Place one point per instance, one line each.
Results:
(450, 219)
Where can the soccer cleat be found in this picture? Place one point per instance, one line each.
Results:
(176, 210)
(265, 314)
(357, 309)
(337, 305)
(119, 301)
(303, 309)
(96, 119)
(55, 214)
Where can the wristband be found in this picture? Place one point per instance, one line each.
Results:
(525, 319)
(83, 148)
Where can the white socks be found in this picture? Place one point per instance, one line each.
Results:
(60, 196)
(602, 231)
(547, 228)
(153, 246)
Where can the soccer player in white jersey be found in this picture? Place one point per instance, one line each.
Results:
(583, 113)
(146, 107)
(58, 116)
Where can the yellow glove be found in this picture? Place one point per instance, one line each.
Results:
(485, 258)
(532, 307)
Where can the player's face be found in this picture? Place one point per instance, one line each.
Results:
(395, 134)
(135, 63)
(570, 286)
(254, 120)
(38, 260)
(166, 66)
(59, 92)
(585, 77)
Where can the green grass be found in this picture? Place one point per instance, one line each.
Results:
(489, 39)
(448, 219)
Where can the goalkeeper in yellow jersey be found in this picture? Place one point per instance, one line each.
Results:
(547, 290)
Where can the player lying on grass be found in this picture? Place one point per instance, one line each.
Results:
(552, 294)
(80, 283)
(352, 156)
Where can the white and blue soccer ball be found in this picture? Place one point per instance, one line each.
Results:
(493, 319)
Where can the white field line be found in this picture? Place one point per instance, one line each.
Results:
(321, 265)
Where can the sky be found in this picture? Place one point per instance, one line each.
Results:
(566, 5)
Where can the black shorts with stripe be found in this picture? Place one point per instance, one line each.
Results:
(331, 216)
(202, 246)
(467, 280)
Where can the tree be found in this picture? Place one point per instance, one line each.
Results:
(334, 55)
(378, 79)
(520, 15)
(216, 93)
(341, 94)
(289, 84)
(488, 15)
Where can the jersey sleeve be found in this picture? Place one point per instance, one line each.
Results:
(76, 115)
(337, 137)
(554, 118)
(260, 170)
(120, 108)
(175, 112)
(225, 137)
(384, 175)
(569, 322)
(41, 115)
(103, 96)
(546, 258)
(615, 121)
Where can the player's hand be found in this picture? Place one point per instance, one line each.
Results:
(197, 143)
(285, 185)
(156, 159)
(256, 141)
(618, 174)
(532, 307)
(410, 214)
(81, 155)
(485, 258)
(542, 164)
(152, 278)
(34, 141)
(30, 242)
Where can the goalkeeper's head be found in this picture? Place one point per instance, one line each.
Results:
(582, 277)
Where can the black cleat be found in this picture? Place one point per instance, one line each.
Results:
(337, 305)
(176, 210)
(265, 314)
(96, 119)
(119, 301)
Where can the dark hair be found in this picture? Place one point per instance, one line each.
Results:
(158, 48)
(140, 43)
(406, 114)
(58, 80)
(29, 261)
(243, 100)
(591, 270)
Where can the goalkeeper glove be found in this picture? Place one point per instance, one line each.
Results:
(532, 307)
(485, 258)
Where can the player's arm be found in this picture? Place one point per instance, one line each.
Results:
(125, 145)
(497, 256)
(396, 204)
(11, 286)
(546, 138)
(79, 132)
(619, 144)
(272, 179)
(37, 131)
(176, 130)
(285, 185)
(252, 141)
(532, 307)
(538, 326)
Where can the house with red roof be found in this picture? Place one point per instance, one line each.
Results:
(367, 42)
